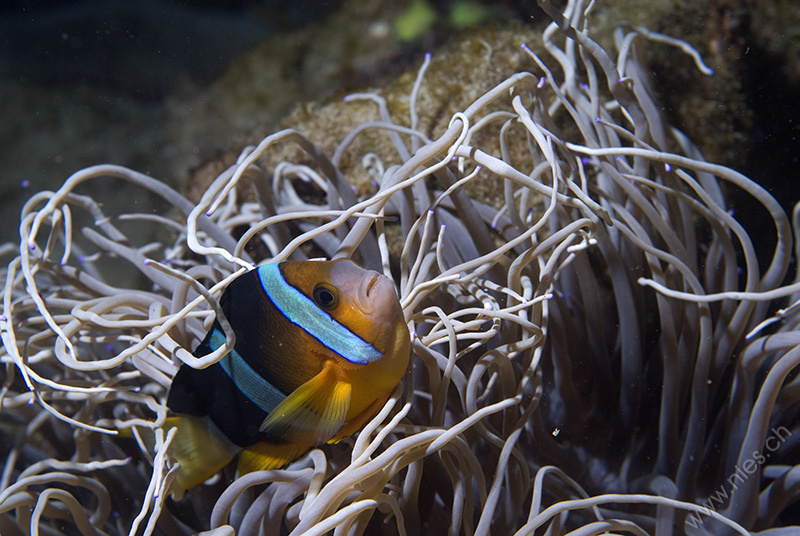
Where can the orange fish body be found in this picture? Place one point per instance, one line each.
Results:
(320, 345)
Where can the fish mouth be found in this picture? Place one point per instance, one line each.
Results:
(376, 295)
(377, 299)
(369, 293)
(371, 284)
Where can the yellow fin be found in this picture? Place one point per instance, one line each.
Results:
(200, 449)
(356, 423)
(262, 456)
(313, 412)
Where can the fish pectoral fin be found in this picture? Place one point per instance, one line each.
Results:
(199, 448)
(313, 412)
(264, 455)
(356, 423)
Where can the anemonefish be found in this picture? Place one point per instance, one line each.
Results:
(320, 345)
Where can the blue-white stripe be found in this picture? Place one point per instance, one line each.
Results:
(262, 393)
(301, 310)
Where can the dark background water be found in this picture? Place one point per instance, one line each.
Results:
(85, 82)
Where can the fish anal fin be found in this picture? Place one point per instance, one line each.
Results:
(264, 455)
(356, 423)
(312, 413)
(199, 448)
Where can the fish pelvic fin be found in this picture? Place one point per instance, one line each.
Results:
(200, 449)
(356, 423)
(264, 455)
(312, 413)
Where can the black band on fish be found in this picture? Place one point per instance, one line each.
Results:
(262, 393)
(303, 312)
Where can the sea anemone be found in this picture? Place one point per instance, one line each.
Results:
(596, 347)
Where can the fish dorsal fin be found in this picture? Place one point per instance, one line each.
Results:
(312, 413)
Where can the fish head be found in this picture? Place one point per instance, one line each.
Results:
(365, 303)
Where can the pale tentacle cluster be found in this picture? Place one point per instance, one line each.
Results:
(589, 354)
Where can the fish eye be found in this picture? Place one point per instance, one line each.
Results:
(325, 297)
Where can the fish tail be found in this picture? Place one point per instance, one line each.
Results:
(264, 455)
(200, 449)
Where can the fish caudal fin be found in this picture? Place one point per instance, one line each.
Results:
(199, 448)
(312, 413)
(264, 455)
